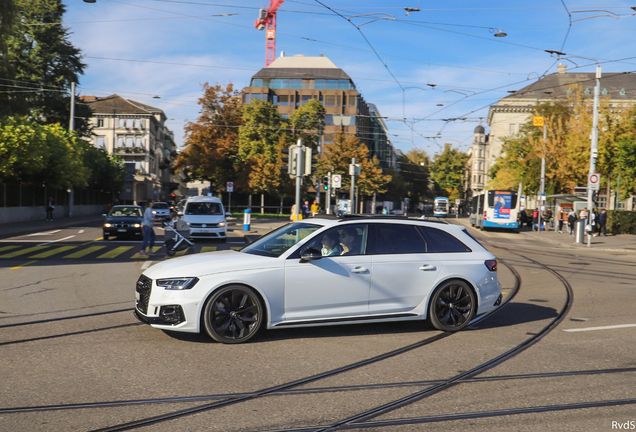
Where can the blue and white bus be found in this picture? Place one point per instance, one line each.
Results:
(440, 207)
(495, 209)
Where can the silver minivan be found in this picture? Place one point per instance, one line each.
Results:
(205, 216)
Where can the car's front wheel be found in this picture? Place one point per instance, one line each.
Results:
(233, 314)
(452, 306)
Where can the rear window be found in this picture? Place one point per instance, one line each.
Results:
(397, 239)
(203, 208)
(443, 242)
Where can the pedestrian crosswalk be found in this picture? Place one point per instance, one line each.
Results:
(91, 251)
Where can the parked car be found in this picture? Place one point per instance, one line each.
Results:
(161, 210)
(324, 271)
(123, 221)
(206, 217)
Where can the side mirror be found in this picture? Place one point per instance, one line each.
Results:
(310, 254)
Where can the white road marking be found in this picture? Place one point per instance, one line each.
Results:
(601, 328)
(55, 241)
(80, 231)
(145, 265)
(44, 233)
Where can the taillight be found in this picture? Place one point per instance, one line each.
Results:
(491, 264)
(485, 215)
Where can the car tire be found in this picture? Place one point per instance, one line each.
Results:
(106, 237)
(453, 305)
(169, 244)
(233, 314)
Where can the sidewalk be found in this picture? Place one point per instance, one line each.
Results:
(19, 228)
(611, 243)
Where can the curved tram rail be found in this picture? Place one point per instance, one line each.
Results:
(231, 399)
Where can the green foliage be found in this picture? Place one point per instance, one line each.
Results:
(260, 130)
(37, 155)
(306, 123)
(626, 165)
(447, 170)
(40, 56)
(412, 179)
(107, 172)
(621, 222)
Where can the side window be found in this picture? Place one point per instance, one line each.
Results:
(443, 242)
(342, 240)
(398, 239)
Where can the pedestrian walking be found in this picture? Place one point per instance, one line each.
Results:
(583, 214)
(315, 208)
(571, 221)
(305, 209)
(602, 221)
(561, 217)
(385, 210)
(50, 206)
(294, 214)
(535, 219)
(147, 225)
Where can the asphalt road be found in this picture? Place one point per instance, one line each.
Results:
(74, 358)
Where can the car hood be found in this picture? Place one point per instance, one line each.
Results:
(202, 264)
(204, 218)
(123, 219)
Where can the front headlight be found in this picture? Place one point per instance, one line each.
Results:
(137, 225)
(154, 212)
(222, 224)
(177, 283)
(107, 225)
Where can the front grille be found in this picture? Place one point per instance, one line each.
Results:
(121, 225)
(144, 287)
(198, 225)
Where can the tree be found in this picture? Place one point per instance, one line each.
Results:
(107, 172)
(447, 170)
(306, 123)
(337, 158)
(626, 165)
(211, 144)
(41, 57)
(37, 155)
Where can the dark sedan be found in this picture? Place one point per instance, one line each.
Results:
(123, 221)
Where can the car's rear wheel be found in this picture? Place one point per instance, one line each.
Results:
(233, 314)
(452, 306)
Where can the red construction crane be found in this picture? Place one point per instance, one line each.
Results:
(267, 20)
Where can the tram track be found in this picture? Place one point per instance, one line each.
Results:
(231, 400)
(365, 418)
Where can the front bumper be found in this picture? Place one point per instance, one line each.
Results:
(165, 309)
(113, 232)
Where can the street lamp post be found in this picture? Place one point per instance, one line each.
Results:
(594, 148)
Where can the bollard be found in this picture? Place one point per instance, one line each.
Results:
(579, 231)
(246, 220)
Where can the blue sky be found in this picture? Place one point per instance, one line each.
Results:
(420, 70)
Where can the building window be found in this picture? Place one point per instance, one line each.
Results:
(130, 123)
(480, 179)
(122, 122)
(256, 96)
(328, 138)
(139, 142)
(275, 100)
(246, 98)
(285, 116)
(328, 119)
(138, 123)
(257, 82)
(283, 100)
(306, 98)
(129, 142)
(330, 100)
(476, 165)
(100, 142)
(100, 122)
(120, 142)
(512, 128)
(481, 153)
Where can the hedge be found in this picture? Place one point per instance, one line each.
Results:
(621, 222)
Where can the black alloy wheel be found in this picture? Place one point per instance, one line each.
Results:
(452, 306)
(169, 244)
(233, 314)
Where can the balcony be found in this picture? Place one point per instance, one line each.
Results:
(130, 151)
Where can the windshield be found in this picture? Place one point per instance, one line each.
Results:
(203, 208)
(161, 206)
(279, 241)
(125, 212)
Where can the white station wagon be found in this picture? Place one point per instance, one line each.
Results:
(323, 271)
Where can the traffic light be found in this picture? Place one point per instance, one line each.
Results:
(309, 161)
(325, 183)
(292, 160)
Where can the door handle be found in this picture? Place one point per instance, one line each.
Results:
(359, 270)
(428, 267)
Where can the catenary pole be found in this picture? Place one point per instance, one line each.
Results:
(594, 148)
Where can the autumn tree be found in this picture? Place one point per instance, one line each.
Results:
(306, 122)
(626, 165)
(447, 169)
(211, 144)
(337, 158)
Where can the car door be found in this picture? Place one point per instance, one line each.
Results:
(404, 268)
(331, 287)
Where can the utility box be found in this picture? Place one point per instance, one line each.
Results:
(579, 231)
